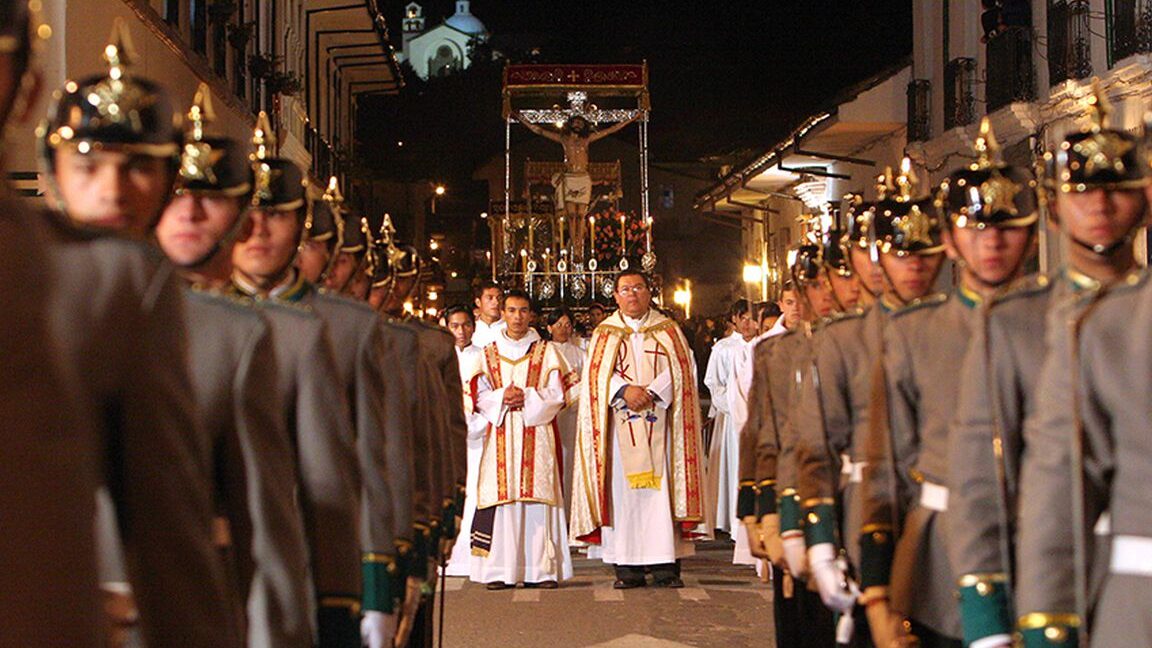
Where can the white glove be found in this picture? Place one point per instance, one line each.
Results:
(377, 629)
(795, 555)
(835, 590)
(995, 641)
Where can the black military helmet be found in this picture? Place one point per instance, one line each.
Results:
(804, 263)
(393, 260)
(858, 214)
(278, 183)
(903, 223)
(113, 110)
(833, 243)
(325, 220)
(1100, 157)
(989, 193)
(356, 235)
(211, 164)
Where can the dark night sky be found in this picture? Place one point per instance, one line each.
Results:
(725, 75)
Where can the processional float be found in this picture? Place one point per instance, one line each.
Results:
(561, 234)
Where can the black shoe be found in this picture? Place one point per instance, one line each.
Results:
(498, 585)
(622, 584)
(673, 582)
(548, 584)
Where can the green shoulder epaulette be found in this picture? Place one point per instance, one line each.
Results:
(928, 301)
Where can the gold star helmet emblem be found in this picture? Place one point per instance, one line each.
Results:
(998, 194)
(916, 226)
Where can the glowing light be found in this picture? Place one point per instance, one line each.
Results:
(753, 273)
(434, 245)
(440, 190)
(433, 295)
(409, 307)
(483, 214)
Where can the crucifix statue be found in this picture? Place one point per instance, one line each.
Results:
(574, 185)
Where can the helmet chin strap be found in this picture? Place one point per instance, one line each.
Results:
(896, 291)
(1107, 250)
(225, 242)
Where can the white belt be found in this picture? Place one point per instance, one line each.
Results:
(1131, 555)
(854, 470)
(934, 496)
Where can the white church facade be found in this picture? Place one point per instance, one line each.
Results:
(443, 49)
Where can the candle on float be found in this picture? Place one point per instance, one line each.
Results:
(531, 236)
(561, 233)
(623, 238)
(524, 261)
(592, 236)
(547, 261)
(648, 234)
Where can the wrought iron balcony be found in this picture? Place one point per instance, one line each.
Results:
(959, 96)
(919, 110)
(1130, 28)
(1069, 54)
(1010, 74)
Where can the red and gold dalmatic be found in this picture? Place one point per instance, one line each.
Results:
(656, 438)
(520, 462)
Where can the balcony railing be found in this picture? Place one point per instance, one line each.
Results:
(919, 110)
(1069, 54)
(1130, 29)
(959, 96)
(1010, 74)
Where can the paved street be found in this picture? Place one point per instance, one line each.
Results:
(722, 605)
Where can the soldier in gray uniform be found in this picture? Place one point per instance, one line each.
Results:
(118, 313)
(828, 411)
(323, 235)
(397, 278)
(234, 374)
(991, 226)
(1083, 462)
(315, 403)
(358, 345)
(51, 453)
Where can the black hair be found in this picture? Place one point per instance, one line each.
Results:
(738, 308)
(456, 309)
(516, 293)
(771, 309)
(598, 306)
(556, 314)
(631, 273)
(788, 286)
(485, 285)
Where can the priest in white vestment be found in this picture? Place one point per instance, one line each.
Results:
(459, 322)
(639, 491)
(519, 533)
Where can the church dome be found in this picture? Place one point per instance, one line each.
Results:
(464, 21)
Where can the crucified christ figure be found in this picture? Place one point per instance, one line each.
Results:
(574, 186)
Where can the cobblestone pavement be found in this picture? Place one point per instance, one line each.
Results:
(722, 605)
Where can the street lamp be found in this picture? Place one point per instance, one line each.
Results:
(683, 297)
(440, 190)
(753, 273)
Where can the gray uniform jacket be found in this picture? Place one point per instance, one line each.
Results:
(234, 374)
(1093, 392)
(758, 412)
(50, 462)
(118, 312)
(358, 342)
(828, 412)
(924, 345)
(787, 360)
(325, 444)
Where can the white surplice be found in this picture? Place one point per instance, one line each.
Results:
(529, 538)
(460, 562)
(486, 333)
(724, 450)
(642, 530)
(574, 356)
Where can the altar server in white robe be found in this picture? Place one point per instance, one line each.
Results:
(564, 339)
(720, 479)
(639, 491)
(519, 533)
(459, 322)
